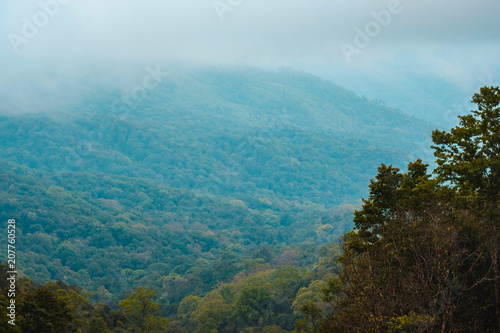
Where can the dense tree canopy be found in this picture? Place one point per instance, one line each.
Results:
(469, 158)
(423, 256)
(144, 228)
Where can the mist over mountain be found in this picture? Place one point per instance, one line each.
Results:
(207, 164)
(249, 166)
(242, 132)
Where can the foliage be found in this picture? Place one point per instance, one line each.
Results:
(142, 313)
(246, 134)
(222, 193)
(42, 311)
(423, 250)
(59, 307)
(411, 323)
(110, 249)
(469, 158)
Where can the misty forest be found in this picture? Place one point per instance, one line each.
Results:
(191, 189)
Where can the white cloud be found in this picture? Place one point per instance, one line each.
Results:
(455, 39)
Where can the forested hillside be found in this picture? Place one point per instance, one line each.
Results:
(243, 133)
(223, 188)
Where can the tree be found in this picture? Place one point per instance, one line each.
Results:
(98, 325)
(252, 305)
(43, 311)
(468, 157)
(410, 263)
(186, 308)
(308, 304)
(76, 303)
(210, 313)
(143, 314)
(311, 321)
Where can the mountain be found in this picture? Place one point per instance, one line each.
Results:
(246, 133)
(421, 91)
(211, 167)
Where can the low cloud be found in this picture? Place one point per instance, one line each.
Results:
(454, 39)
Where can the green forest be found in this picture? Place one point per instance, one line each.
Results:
(247, 134)
(169, 219)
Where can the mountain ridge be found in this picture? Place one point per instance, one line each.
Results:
(286, 120)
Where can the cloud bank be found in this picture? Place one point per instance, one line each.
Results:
(457, 40)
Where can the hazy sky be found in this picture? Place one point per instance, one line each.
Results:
(457, 40)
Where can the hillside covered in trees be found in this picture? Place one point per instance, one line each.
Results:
(243, 133)
(231, 223)
(212, 166)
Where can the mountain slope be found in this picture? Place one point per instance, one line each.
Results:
(212, 173)
(110, 233)
(243, 133)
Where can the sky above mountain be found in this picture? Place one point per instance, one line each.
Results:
(457, 41)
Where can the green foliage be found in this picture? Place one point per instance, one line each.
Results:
(424, 254)
(252, 305)
(412, 323)
(278, 136)
(469, 155)
(203, 196)
(186, 309)
(211, 313)
(111, 252)
(42, 311)
(142, 313)
(312, 318)
(257, 300)
(78, 305)
(289, 279)
(468, 158)
(98, 325)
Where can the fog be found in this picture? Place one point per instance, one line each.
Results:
(50, 46)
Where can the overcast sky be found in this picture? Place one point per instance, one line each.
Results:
(457, 40)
